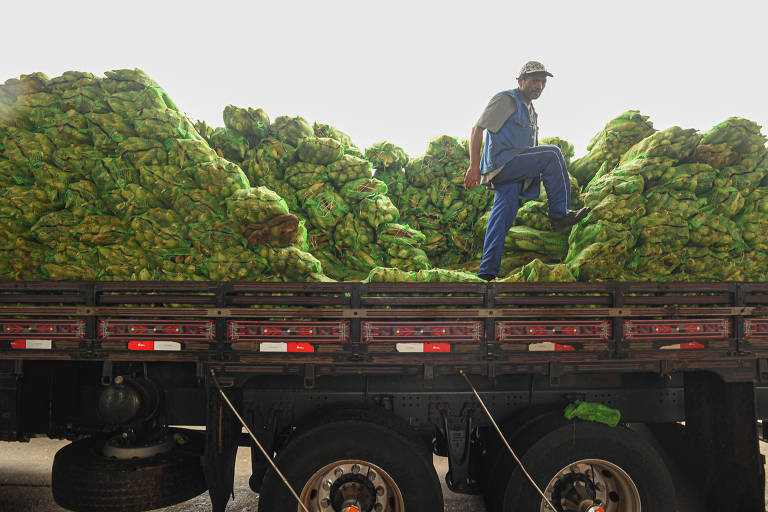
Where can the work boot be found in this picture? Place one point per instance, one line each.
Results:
(571, 217)
(487, 277)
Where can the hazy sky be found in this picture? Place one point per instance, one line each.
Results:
(406, 71)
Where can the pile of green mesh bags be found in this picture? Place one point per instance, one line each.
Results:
(679, 206)
(607, 147)
(104, 178)
(352, 225)
(431, 197)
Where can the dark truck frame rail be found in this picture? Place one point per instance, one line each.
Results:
(287, 350)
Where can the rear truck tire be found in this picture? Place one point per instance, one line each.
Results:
(584, 462)
(85, 480)
(336, 465)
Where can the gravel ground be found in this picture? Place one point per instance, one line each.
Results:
(25, 482)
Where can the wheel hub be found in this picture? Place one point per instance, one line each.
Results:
(592, 485)
(352, 487)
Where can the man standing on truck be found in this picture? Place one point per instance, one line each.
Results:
(513, 163)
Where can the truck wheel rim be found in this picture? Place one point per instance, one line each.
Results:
(349, 485)
(580, 484)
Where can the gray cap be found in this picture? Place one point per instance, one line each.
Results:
(531, 67)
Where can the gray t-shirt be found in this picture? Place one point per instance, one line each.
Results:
(493, 118)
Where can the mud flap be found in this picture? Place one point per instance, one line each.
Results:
(222, 437)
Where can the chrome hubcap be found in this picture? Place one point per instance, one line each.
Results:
(589, 482)
(352, 486)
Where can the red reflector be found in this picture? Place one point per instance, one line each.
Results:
(423, 347)
(548, 346)
(683, 346)
(300, 347)
(32, 344)
(154, 345)
(437, 347)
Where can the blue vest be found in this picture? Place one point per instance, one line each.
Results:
(516, 135)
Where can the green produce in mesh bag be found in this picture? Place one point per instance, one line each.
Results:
(319, 150)
(295, 264)
(705, 264)
(674, 143)
(532, 214)
(599, 250)
(377, 210)
(423, 170)
(348, 168)
(740, 177)
(113, 173)
(525, 238)
(358, 190)
(326, 210)
(291, 129)
(754, 265)
(219, 178)
(204, 130)
(20, 207)
(446, 147)
(250, 123)
(51, 178)
(131, 200)
(324, 130)
(228, 145)
(394, 178)
(83, 198)
(183, 153)
(22, 262)
(696, 177)
(353, 233)
(389, 275)
(442, 193)
(412, 259)
(744, 135)
(659, 227)
(140, 152)
(255, 205)
(72, 261)
(399, 234)
(99, 230)
(615, 184)
(234, 263)
(565, 147)
(678, 203)
(715, 232)
(22, 145)
(209, 238)
(727, 201)
(538, 271)
(302, 175)
(623, 209)
(651, 170)
(385, 155)
(364, 258)
(160, 229)
(607, 147)
(164, 124)
(652, 260)
(434, 275)
(55, 226)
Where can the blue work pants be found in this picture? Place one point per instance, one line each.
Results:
(544, 162)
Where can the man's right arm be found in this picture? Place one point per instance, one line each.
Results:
(472, 176)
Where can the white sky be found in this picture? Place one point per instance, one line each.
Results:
(407, 71)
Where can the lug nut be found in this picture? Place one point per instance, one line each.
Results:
(325, 502)
(372, 476)
(380, 491)
(327, 485)
(355, 468)
(338, 472)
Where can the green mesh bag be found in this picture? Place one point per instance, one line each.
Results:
(254, 205)
(697, 178)
(326, 209)
(324, 130)
(659, 227)
(377, 210)
(160, 229)
(302, 175)
(678, 203)
(183, 153)
(353, 233)
(385, 155)
(291, 129)
(357, 190)
(228, 145)
(446, 147)
(219, 178)
(674, 143)
(525, 238)
(319, 150)
(348, 168)
(716, 232)
(131, 200)
(537, 271)
(247, 122)
(141, 152)
(422, 171)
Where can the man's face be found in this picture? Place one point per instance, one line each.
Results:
(532, 85)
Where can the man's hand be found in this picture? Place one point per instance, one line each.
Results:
(472, 177)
